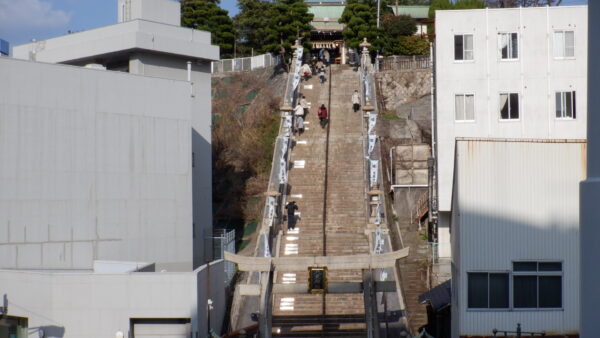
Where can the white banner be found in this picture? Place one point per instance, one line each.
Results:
(282, 171)
(296, 81)
(288, 122)
(299, 52)
(271, 210)
(379, 241)
(372, 140)
(284, 145)
(267, 250)
(372, 121)
(378, 214)
(374, 166)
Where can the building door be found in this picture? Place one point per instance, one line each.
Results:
(161, 328)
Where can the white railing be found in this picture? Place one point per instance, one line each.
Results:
(244, 64)
(404, 62)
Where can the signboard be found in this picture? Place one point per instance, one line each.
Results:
(317, 279)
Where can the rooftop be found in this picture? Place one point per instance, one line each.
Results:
(127, 36)
(416, 12)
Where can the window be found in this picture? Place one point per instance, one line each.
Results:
(508, 45)
(464, 107)
(463, 47)
(509, 106)
(537, 285)
(564, 44)
(487, 290)
(565, 105)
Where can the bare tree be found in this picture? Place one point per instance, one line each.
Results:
(522, 3)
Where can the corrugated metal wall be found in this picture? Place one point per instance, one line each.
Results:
(518, 201)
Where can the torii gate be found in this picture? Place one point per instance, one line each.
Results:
(266, 265)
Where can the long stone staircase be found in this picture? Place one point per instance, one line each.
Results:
(327, 183)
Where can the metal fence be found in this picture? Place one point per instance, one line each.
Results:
(224, 240)
(440, 252)
(244, 64)
(404, 62)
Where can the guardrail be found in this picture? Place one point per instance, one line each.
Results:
(277, 187)
(402, 62)
(272, 216)
(375, 195)
(244, 64)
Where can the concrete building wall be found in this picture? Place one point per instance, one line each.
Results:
(536, 75)
(171, 67)
(91, 305)
(95, 165)
(516, 201)
(154, 10)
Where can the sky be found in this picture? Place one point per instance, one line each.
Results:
(23, 20)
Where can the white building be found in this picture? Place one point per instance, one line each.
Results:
(104, 165)
(113, 297)
(507, 73)
(515, 236)
(147, 42)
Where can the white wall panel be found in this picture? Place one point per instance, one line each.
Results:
(536, 75)
(517, 201)
(99, 159)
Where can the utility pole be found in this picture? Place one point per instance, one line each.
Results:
(379, 11)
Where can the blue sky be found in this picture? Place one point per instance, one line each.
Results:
(23, 20)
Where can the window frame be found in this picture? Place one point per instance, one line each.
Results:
(488, 308)
(509, 59)
(563, 93)
(564, 45)
(463, 60)
(464, 95)
(539, 274)
(511, 274)
(500, 119)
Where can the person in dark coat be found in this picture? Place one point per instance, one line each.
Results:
(291, 208)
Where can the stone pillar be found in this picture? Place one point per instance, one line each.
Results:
(365, 58)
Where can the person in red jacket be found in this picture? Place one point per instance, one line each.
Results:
(322, 113)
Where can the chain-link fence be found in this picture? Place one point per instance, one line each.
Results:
(224, 240)
(244, 64)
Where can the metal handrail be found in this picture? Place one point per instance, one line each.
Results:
(370, 98)
(266, 235)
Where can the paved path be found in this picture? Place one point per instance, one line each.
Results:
(346, 219)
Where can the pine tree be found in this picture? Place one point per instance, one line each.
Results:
(399, 38)
(273, 26)
(252, 26)
(291, 21)
(206, 15)
(360, 18)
